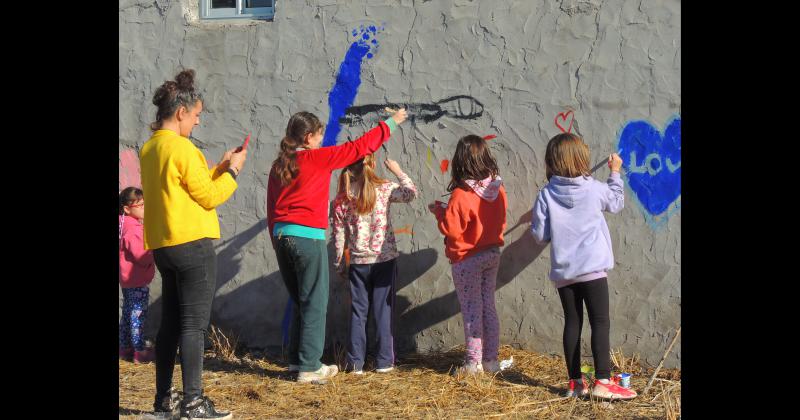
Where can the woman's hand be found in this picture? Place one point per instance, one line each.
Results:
(237, 159)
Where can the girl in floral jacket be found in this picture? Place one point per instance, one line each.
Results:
(361, 221)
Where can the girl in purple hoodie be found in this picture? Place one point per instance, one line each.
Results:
(136, 271)
(568, 212)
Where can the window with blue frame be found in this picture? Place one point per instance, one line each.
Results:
(237, 9)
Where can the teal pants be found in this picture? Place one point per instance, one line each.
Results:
(303, 263)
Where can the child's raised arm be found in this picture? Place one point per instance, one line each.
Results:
(337, 157)
(407, 191)
(540, 223)
(614, 197)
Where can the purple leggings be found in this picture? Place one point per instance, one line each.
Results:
(475, 279)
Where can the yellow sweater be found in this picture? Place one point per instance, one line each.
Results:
(180, 191)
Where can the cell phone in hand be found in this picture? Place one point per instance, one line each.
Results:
(243, 146)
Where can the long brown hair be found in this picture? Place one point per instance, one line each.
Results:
(472, 160)
(362, 171)
(567, 155)
(171, 95)
(300, 124)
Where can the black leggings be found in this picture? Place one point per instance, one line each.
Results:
(188, 276)
(595, 294)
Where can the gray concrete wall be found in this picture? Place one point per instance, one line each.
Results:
(610, 62)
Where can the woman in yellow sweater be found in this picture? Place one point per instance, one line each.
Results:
(182, 194)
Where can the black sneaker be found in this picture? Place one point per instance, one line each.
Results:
(202, 408)
(168, 407)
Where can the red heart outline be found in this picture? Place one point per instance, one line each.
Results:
(564, 117)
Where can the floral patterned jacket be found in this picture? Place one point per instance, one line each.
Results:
(369, 237)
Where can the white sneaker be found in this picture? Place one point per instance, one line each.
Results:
(357, 372)
(491, 366)
(319, 376)
(470, 368)
(385, 370)
(294, 368)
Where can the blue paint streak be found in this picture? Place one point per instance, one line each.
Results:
(656, 192)
(345, 89)
(287, 318)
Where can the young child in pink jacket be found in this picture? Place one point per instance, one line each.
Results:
(136, 271)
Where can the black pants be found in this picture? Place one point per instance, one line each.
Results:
(372, 285)
(188, 274)
(595, 294)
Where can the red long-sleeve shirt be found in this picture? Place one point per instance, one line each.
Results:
(305, 200)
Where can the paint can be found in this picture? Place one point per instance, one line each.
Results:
(624, 380)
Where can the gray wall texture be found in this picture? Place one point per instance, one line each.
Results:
(610, 62)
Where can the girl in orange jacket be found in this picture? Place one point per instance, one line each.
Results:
(472, 223)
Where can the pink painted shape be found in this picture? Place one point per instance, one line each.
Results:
(129, 171)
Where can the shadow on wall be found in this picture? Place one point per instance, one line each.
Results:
(514, 258)
(254, 311)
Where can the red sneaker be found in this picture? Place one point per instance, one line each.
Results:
(145, 356)
(612, 391)
(578, 387)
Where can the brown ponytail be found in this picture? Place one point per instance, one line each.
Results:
(300, 124)
(173, 94)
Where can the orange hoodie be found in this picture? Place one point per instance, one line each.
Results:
(474, 219)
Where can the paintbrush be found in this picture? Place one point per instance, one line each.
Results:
(601, 163)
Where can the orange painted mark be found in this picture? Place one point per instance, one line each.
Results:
(443, 166)
(347, 256)
(404, 229)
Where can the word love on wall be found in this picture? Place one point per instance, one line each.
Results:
(652, 163)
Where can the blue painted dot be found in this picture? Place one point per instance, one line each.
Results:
(354, 32)
(374, 41)
(369, 55)
(365, 36)
(372, 29)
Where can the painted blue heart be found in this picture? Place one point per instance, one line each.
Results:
(652, 163)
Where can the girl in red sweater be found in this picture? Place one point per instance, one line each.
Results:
(472, 223)
(297, 216)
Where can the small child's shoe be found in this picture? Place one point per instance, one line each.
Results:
(126, 353)
(578, 387)
(612, 391)
(491, 366)
(470, 368)
(386, 369)
(145, 356)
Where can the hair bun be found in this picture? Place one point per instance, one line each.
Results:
(185, 80)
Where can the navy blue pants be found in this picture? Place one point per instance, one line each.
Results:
(372, 284)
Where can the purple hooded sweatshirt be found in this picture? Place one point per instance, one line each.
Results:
(568, 213)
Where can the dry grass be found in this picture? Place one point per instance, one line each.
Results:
(255, 387)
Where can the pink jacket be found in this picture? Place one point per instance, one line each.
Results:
(136, 266)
